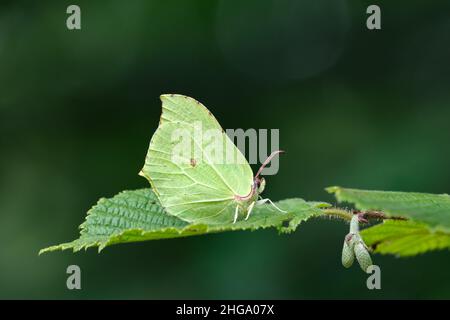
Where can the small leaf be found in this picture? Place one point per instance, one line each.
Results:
(137, 215)
(432, 209)
(405, 238)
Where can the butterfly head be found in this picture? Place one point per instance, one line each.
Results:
(259, 182)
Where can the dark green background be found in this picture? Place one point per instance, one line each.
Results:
(357, 108)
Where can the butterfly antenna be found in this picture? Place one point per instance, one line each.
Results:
(269, 158)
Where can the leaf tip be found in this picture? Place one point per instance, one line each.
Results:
(333, 189)
(49, 249)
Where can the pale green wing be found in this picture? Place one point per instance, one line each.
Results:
(195, 181)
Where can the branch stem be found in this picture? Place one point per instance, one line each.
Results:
(347, 215)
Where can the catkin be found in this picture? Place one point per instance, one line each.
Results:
(354, 246)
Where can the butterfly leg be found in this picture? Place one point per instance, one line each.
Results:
(249, 210)
(262, 201)
(236, 212)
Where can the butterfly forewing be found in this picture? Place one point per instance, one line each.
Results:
(192, 165)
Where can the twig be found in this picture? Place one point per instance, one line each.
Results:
(364, 216)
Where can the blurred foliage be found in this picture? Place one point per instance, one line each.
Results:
(366, 109)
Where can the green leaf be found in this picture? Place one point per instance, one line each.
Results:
(405, 238)
(137, 215)
(431, 209)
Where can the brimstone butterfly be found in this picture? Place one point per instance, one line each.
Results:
(194, 168)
